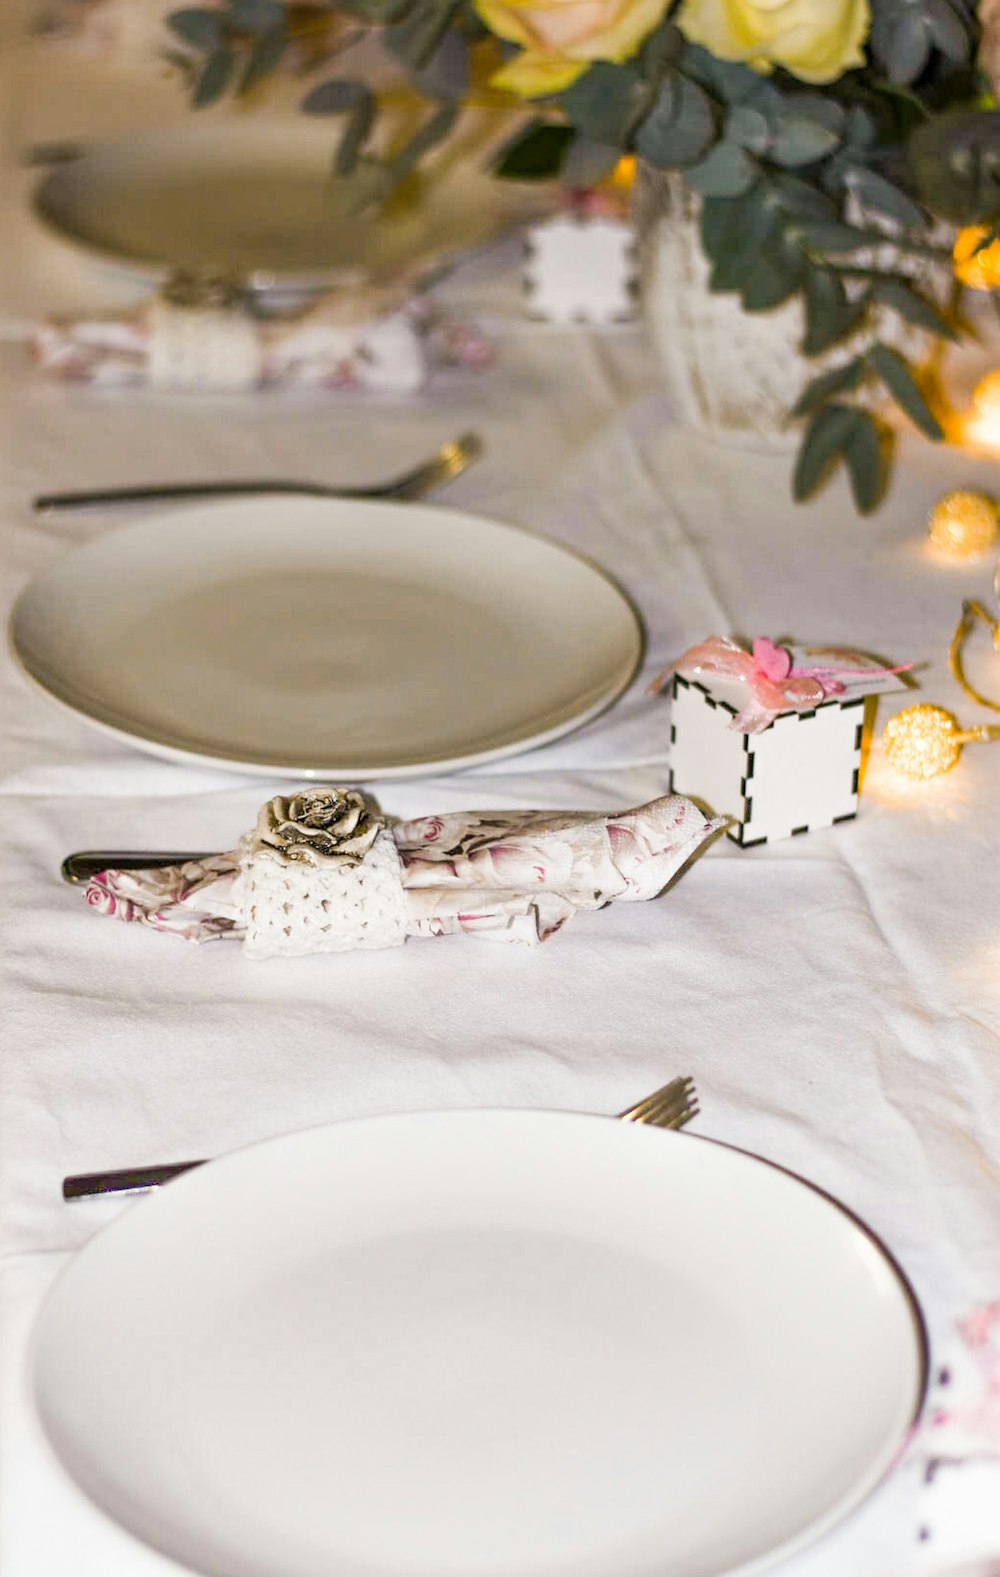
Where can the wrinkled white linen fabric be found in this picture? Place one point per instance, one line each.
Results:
(836, 997)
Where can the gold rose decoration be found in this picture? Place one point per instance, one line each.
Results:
(318, 826)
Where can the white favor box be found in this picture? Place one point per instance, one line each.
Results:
(580, 268)
(802, 772)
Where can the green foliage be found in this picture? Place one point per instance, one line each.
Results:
(800, 186)
(841, 380)
(907, 34)
(605, 102)
(679, 125)
(956, 162)
(844, 433)
(898, 377)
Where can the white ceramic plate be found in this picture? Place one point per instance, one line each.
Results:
(251, 197)
(480, 1344)
(328, 638)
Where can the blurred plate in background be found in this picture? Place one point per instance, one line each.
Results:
(252, 198)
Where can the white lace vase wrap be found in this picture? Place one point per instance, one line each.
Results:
(292, 907)
(739, 373)
(202, 347)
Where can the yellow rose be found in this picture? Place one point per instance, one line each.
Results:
(816, 40)
(560, 38)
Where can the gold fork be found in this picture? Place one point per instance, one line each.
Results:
(671, 1106)
(449, 462)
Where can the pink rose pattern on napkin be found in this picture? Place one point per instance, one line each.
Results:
(391, 352)
(509, 876)
(964, 1419)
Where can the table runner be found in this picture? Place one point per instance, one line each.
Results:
(836, 997)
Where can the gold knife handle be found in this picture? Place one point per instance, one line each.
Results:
(80, 867)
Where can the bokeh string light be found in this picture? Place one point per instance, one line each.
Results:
(983, 423)
(977, 258)
(924, 741)
(964, 524)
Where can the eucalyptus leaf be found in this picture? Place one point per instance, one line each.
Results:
(432, 132)
(216, 75)
(201, 29)
(875, 191)
(836, 239)
(841, 380)
(763, 223)
(265, 56)
(337, 96)
(356, 133)
(729, 257)
(719, 215)
(773, 274)
(826, 112)
(664, 46)
(860, 126)
(603, 102)
(897, 375)
(727, 80)
(726, 172)
(749, 127)
(802, 199)
(903, 298)
(415, 39)
(827, 436)
(800, 140)
(951, 35)
(257, 16)
(908, 47)
(447, 74)
(865, 457)
(680, 125)
(826, 310)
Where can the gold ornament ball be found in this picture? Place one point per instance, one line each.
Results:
(986, 397)
(922, 741)
(975, 264)
(964, 523)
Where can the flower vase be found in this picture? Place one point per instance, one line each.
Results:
(737, 373)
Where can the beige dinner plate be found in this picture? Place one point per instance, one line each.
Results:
(251, 197)
(328, 638)
(480, 1344)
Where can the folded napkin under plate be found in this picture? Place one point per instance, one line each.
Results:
(323, 872)
(203, 335)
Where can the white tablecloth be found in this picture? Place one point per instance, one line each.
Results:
(836, 997)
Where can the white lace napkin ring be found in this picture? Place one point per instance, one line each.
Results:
(292, 908)
(202, 347)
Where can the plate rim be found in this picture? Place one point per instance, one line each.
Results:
(259, 281)
(175, 748)
(836, 1515)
